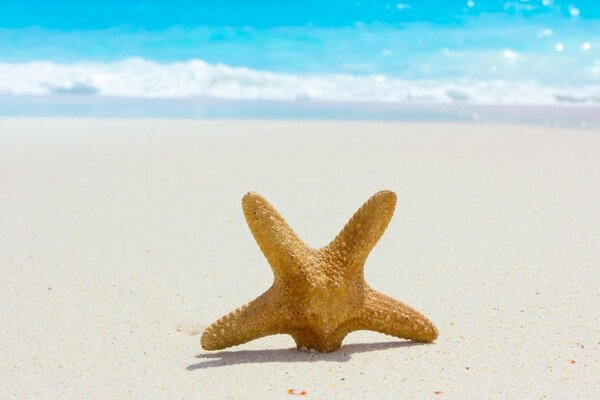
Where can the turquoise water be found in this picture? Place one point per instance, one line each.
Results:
(544, 52)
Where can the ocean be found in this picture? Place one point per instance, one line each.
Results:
(475, 53)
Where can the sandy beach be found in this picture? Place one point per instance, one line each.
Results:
(121, 240)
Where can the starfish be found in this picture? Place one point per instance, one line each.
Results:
(318, 295)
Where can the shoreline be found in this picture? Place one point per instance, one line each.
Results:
(89, 106)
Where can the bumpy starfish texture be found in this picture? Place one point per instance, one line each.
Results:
(318, 295)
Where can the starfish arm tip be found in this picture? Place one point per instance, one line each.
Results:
(206, 342)
(261, 317)
(251, 199)
(358, 237)
(391, 317)
(386, 192)
(250, 194)
(387, 197)
(428, 333)
(209, 339)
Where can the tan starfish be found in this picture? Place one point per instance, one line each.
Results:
(318, 295)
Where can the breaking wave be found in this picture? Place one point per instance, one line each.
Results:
(141, 78)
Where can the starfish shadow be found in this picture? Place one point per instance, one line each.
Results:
(226, 358)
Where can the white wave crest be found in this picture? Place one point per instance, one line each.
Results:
(140, 78)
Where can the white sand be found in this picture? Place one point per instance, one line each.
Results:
(119, 239)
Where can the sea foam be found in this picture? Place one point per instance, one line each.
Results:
(141, 78)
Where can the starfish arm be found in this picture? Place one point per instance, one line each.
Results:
(356, 240)
(263, 316)
(278, 242)
(383, 314)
